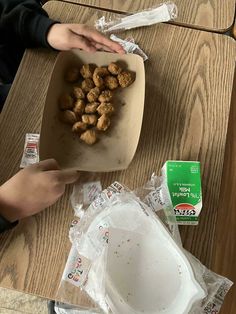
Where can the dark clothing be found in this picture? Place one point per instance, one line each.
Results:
(23, 24)
(4, 90)
(5, 225)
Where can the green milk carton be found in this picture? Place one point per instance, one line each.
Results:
(182, 181)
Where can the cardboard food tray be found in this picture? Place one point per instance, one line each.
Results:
(116, 147)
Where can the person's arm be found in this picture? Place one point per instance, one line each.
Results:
(33, 189)
(82, 36)
(24, 21)
(27, 23)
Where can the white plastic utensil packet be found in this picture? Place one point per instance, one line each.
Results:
(130, 47)
(118, 236)
(162, 13)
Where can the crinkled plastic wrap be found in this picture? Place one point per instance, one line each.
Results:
(162, 13)
(130, 46)
(153, 194)
(84, 279)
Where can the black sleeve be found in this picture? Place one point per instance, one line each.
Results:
(6, 225)
(25, 22)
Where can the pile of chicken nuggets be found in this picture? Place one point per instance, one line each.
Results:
(89, 107)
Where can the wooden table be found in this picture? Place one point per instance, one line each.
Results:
(234, 29)
(212, 15)
(189, 78)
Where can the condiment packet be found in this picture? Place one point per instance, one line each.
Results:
(31, 150)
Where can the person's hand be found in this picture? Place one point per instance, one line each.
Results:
(33, 189)
(87, 38)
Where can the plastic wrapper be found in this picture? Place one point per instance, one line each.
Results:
(31, 150)
(84, 279)
(130, 46)
(162, 13)
(215, 286)
(62, 308)
(153, 194)
(88, 190)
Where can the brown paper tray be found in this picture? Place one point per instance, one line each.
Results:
(116, 147)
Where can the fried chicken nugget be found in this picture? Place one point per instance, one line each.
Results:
(98, 75)
(114, 68)
(66, 102)
(93, 94)
(91, 107)
(111, 82)
(72, 75)
(79, 107)
(89, 137)
(105, 108)
(90, 119)
(103, 123)
(105, 96)
(68, 117)
(87, 71)
(79, 127)
(98, 81)
(87, 84)
(78, 92)
(125, 79)
(101, 71)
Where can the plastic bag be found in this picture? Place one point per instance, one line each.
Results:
(89, 252)
(216, 288)
(86, 264)
(154, 196)
(162, 13)
(88, 192)
(62, 308)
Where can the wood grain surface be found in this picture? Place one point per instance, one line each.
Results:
(225, 240)
(234, 29)
(189, 79)
(214, 15)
